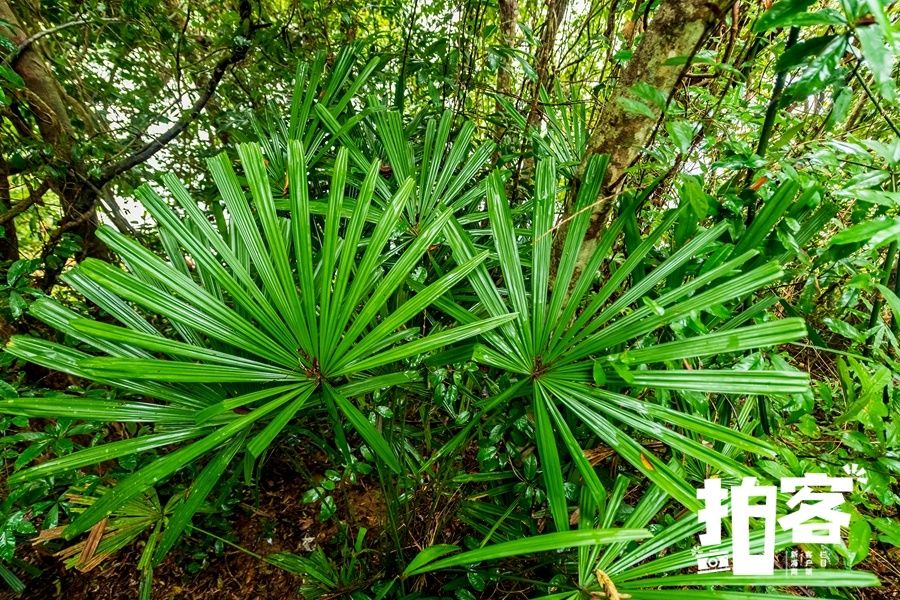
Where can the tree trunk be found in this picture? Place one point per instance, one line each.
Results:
(9, 240)
(678, 29)
(543, 67)
(45, 98)
(508, 11)
(543, 63)
(47, 103)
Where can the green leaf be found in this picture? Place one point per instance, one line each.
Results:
(724, 382)
(892, 300)
(7, 73)
(102, 453)
(17, 304)
(821, 71)
(264, 438)
(196, 494)
(781, 14)
(636, 107)
(163, 467)
(682, 133)
(845, 329)
(801, 52)
(545, 205)
(508, 254)
(858, 539)
(426, 344)
(428, 555)
(532, 545)
(170, 370)
(762, 335)
(818, 578)
(10, 579)
(880, 58)
(875, 233)
(376, 339)
(549, 456)
(768, 217)
(368, 432)
(18, 269)
(643, 460)
(73, 407)
(588, 474)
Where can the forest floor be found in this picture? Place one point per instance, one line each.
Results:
(279, 522)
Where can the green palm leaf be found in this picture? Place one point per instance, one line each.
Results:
(308, 315)
(593, 332)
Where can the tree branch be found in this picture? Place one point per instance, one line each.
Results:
(33, 38)
(22, 205)
(239, 50)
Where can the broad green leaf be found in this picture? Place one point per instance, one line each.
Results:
(875, 232)
(781, 14)
(879, 56)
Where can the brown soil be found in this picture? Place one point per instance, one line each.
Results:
(886, 565)
(281, 522)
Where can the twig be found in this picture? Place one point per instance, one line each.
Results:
(32, 39)
(564, 221)
(23, 205)
(877, 104)
(239, 50)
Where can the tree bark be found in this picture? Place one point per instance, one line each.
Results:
(543, 64)
(508, 11)
(78, 192)
(45, 98)
(678, 29)
(9, 240)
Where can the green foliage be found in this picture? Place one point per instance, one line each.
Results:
(560, 339)
(359, 288)
(324, 345)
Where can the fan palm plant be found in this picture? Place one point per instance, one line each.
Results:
(447, 168)
(566, 134)
(240, 329)
(318, 89)
(574, 347)
(632, 562)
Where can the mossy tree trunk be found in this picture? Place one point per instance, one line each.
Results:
(677, 30)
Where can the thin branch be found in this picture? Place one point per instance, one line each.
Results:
(877, 104)
(239, 50)
(110, 206)
(33, 38)
(775, 100)
(23, 205)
